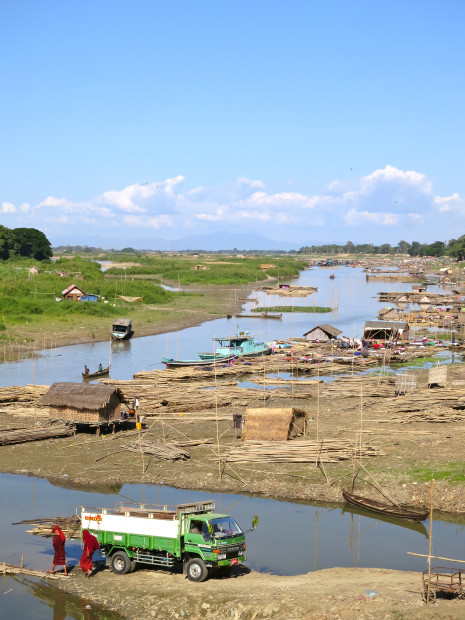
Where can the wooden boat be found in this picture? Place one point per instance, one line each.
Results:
(415, 526)
(172, 363)
(241, 345)
(121, 329)
(382, 508)
(97, 373)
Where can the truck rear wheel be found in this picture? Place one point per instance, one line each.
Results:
(121, 563)
(196, 570)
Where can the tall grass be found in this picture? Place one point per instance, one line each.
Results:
(219, 271)
(23, 296)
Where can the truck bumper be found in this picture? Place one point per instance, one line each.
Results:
(229, 562)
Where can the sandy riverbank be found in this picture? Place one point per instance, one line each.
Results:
(338, 593)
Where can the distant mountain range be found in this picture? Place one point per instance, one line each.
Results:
(221, 240)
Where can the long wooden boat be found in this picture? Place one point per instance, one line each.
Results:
(97, 373)
(384, 509)
(172, 363)
(415, 526)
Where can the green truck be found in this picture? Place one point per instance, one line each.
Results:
(191, 534)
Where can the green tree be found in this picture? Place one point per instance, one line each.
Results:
(5, 242)
(457, 249)
(31, 243)
(403, 247)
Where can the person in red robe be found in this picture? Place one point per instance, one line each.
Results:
(91, 544)
(58, 542)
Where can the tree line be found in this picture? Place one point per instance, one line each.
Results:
(454, 248)
(26, 242)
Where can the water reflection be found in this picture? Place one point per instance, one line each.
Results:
(26, 597)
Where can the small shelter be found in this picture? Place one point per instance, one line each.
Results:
(33, 270)
(84, 404)
(386, 330)
(128, 299)
(322, 333)
(73, 292)
(387, 313)
(274, 423)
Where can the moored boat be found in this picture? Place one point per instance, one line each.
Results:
(241, 345)
(121, 329)
(172, 363)
(382, 508)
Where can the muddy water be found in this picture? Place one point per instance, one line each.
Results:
(354, 296)
(291, 538)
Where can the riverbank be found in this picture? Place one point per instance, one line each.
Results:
(204, 303)
(337, 593)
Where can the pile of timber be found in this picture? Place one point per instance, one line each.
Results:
(71, 526)
(21, 400)
(165, 451)
(301, 451)
(359, 386)
(440, 416)
(22, 435)
(421, 400)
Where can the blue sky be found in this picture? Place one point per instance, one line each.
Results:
(306, 122)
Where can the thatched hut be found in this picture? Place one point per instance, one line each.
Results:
(386, 330)
(84, 404)
(274, 423)
(322, 333)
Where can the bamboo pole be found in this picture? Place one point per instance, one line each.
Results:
(435, 557)
(430, 541)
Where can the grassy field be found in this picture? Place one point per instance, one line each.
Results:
(33, 312)
(210, 269)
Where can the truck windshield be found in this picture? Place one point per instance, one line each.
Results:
(224, 527)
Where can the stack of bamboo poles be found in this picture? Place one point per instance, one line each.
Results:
(325, 451)
(426, 399)
(71, 526)
(165, 451)
(22, 435)
(349, 387)
(442, 416)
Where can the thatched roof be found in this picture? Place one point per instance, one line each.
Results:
(328, 329)
(273, 423)
(386, 325)
(80, 396)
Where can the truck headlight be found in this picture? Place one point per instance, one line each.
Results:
(222, 556)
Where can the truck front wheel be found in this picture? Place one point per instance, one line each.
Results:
(196, 570)
(121, 563)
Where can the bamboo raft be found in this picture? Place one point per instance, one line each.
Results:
(10, 569)
(8, 437)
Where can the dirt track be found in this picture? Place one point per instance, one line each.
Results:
(338, 593)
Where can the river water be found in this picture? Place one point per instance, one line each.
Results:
(291, 538)
(354, 296)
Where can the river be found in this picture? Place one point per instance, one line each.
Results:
(354, 295)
